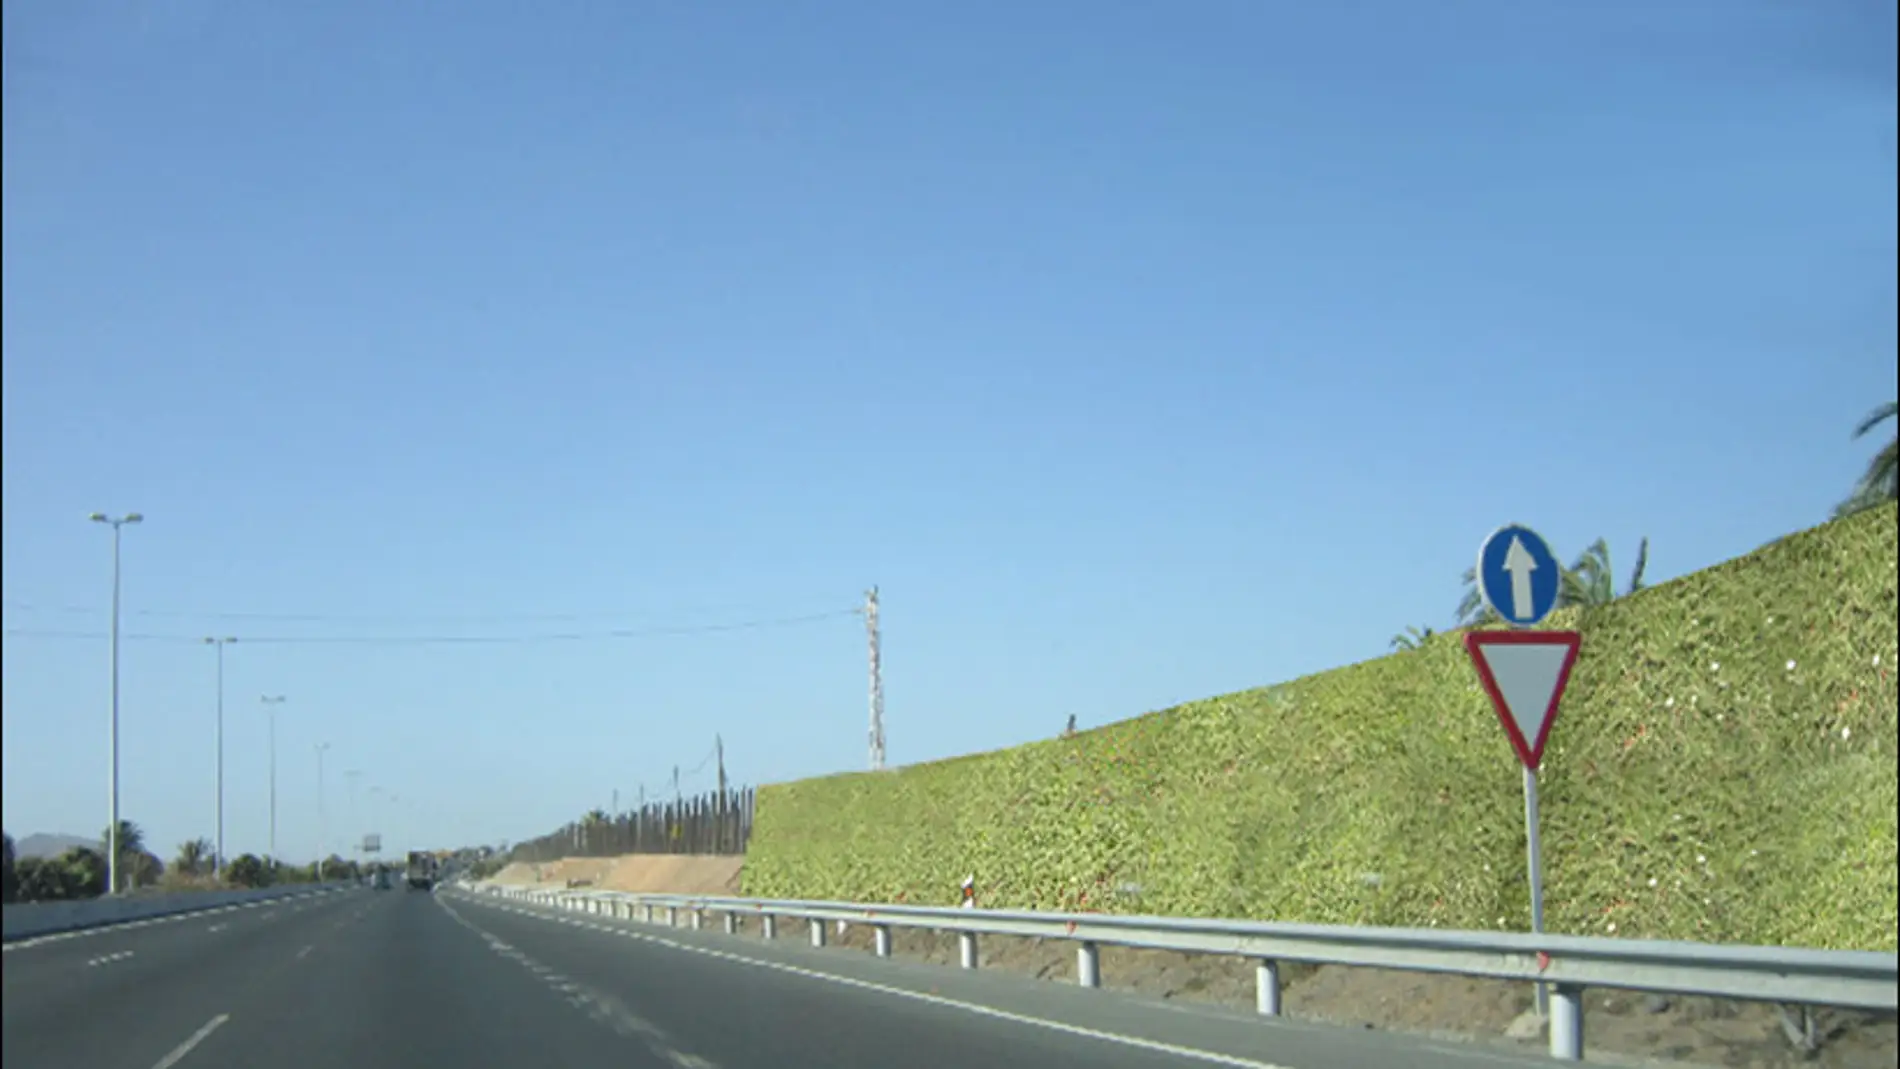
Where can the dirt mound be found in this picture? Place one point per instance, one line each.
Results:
(685, 874)
(576, 870)
(682, 874)
(516, 872)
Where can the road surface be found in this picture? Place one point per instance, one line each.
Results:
(396, 979)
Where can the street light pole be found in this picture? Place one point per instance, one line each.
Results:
(117, 524)
(376, 815)
(351, 776)
(271, 702)
(323, 818)
(217, 859)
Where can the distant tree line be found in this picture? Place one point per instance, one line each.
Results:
(80, 872)
(712, 823)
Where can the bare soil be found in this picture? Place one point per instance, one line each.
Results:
(680, 874)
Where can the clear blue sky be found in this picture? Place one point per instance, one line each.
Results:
(1139, 352)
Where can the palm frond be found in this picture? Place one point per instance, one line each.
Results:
(1589, 579)
(1875, 418)
(1471, 608)
(1881, 470)
(1866, 495)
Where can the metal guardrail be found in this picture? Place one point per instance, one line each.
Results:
(1853, 979)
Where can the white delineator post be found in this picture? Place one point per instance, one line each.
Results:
(966, 941)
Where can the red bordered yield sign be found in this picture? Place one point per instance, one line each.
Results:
(1525, 673)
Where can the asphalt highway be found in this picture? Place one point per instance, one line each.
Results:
(390, 980)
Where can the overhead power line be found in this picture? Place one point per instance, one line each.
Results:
(611, 634)
(436, 619)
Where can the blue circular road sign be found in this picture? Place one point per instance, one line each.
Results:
(1518, 575)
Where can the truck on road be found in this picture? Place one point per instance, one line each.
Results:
(421, 873)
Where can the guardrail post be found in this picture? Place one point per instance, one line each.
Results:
(1088, 965)
(672, 916)
(966, 949)
(1266, 978)
(1566, 1022)
(768, 924)
(817, 932)
(695, 920)
(881, 940)
(732, 924)
(646, 912)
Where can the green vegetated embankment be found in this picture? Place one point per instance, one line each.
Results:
(1724, 769)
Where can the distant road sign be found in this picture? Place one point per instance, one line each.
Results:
(1525, 673)
(372, 844)
(1518, 575)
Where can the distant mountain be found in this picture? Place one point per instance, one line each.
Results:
(40, 844)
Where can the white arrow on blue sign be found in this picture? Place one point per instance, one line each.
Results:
(1518, 575)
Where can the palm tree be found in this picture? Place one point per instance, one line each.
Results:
(1880, 483)
(1412, 638)
(193, 857)
(131, 844)
(1590, 581)
(131, 837)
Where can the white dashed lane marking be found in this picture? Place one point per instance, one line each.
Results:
(602, 1007)
(107, 959)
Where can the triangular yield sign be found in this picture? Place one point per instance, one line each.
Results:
(1525, 673)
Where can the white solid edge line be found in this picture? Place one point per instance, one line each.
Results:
(178, 1053)
(1214, 1057)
